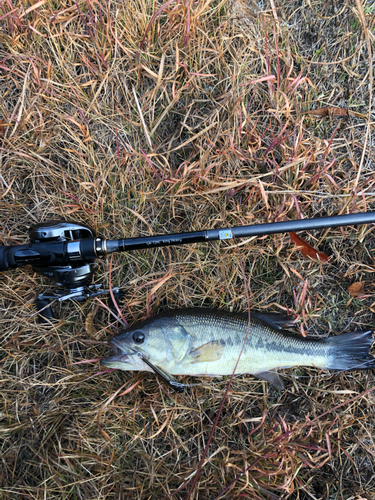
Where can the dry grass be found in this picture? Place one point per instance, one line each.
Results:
(142, 118)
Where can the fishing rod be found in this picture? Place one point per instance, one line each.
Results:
(66, 251)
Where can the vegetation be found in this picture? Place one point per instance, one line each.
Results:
(142, 117)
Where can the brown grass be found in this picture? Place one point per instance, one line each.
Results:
(141, 118)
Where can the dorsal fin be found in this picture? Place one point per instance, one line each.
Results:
(277, 320)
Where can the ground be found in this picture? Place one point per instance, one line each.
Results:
(141, 118)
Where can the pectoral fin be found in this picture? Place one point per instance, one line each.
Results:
(211, 351)
(272, 377)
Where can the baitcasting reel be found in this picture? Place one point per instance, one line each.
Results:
(74, 278)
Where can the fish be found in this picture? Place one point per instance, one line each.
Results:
(208, 342)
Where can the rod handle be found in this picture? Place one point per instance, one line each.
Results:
(12, 257)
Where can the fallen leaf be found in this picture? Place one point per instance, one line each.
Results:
(329, 111)
(307, 250)
(356, 288)
(90, 328)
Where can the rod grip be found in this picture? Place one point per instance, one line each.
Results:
(8, 254)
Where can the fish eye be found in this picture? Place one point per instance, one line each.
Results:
(138, 337)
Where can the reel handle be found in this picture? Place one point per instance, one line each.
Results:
(44, 305)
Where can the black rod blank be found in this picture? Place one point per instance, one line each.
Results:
(297, 225)
(240, 232)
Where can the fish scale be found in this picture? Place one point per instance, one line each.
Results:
(265, 348)
(209, 342)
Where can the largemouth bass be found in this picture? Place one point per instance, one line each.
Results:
(207, 342)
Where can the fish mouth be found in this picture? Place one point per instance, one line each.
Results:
(120, 357)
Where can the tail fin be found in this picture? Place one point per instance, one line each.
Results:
(351, 351)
